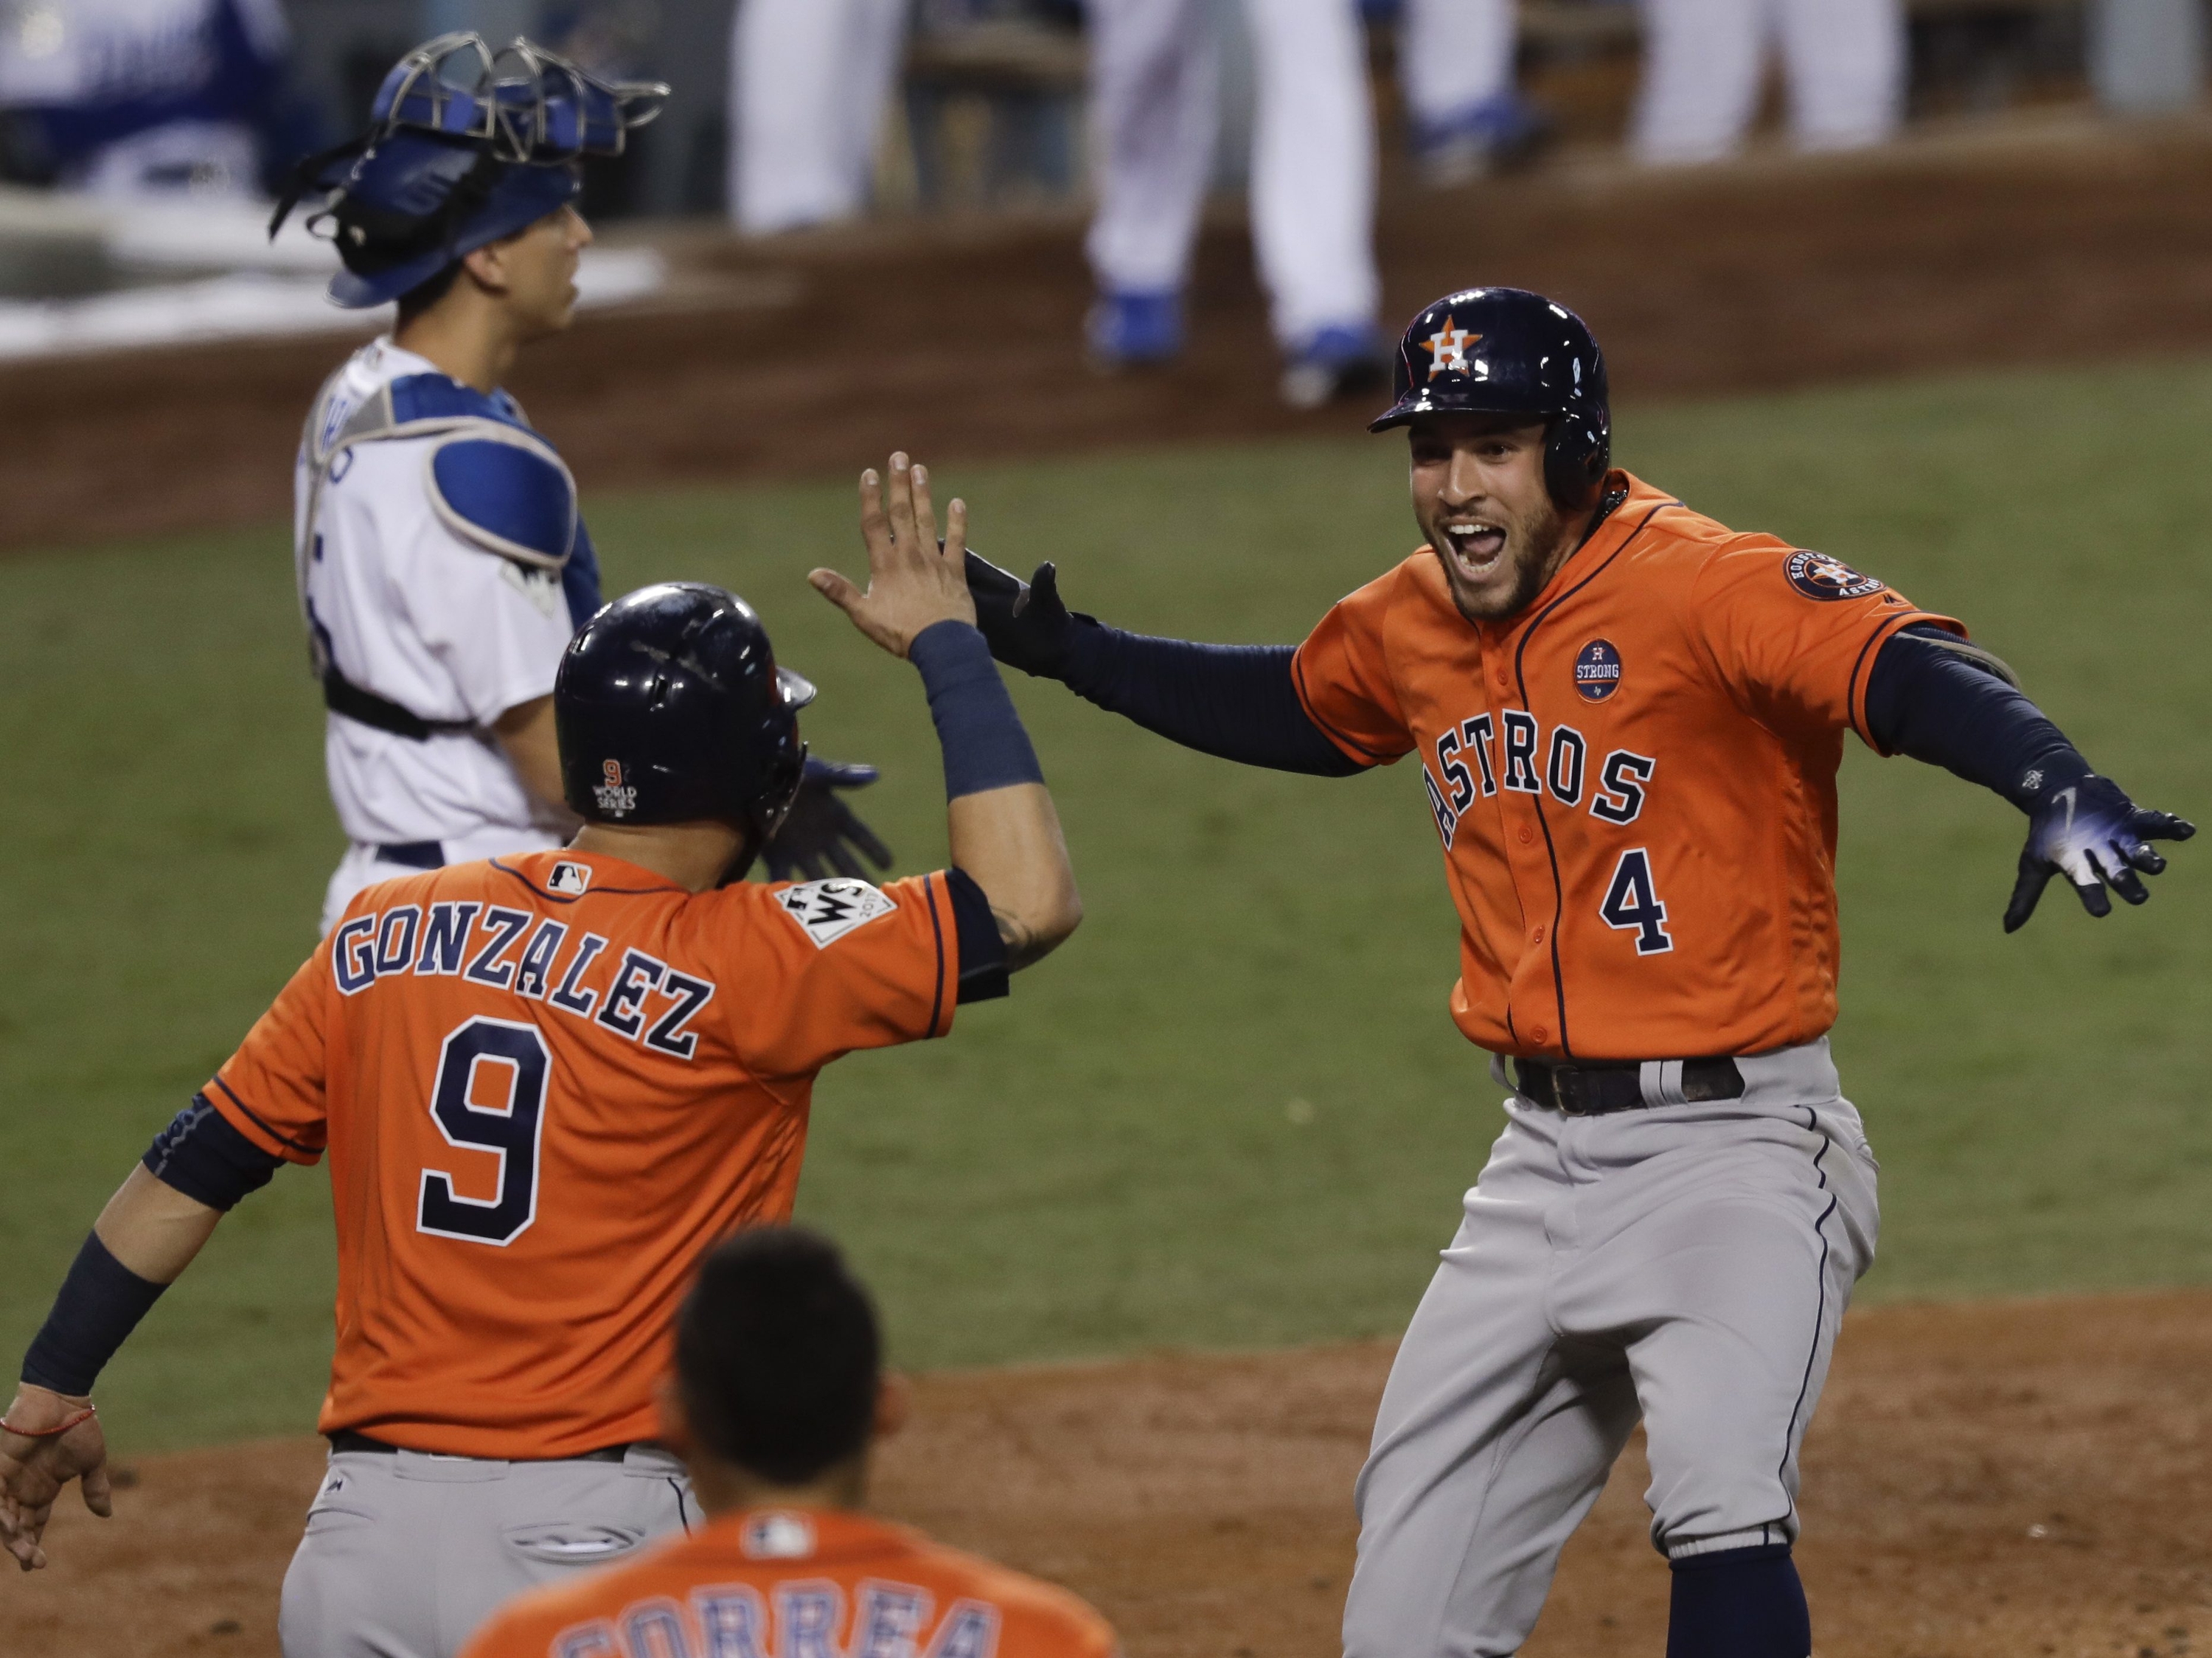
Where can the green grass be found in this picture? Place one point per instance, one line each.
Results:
(1109, 1160)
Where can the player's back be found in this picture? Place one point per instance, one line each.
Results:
(807, 1583)
(546, 1084)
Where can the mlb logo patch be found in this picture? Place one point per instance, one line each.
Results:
(827, 910)
(570, 880)
(778, 1537)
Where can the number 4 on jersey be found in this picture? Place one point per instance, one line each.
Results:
(1632, 904)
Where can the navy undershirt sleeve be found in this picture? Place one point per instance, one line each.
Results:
(202, 1156)
(1234, 702)
(1937, 705)
(983, 969)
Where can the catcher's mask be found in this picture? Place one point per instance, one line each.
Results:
(464, 146)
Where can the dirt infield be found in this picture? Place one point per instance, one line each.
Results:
(2057, 241)
(2016, 1480)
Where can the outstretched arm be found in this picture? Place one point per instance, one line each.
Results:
(1005, 831)
(1237, 701)
(1949, 705)
(146, 1236)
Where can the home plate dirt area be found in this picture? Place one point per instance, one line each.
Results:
(2001, 1480)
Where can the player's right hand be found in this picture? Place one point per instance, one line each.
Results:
(1028, 625)
(34, 1469)
(2094, 834)
(914, 579)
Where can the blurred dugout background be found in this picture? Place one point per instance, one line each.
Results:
(988, 106)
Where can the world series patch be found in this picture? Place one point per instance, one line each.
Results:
(1597, 671)
(827, 910)
(1816, 575)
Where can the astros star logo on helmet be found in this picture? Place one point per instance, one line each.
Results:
(1448, 348)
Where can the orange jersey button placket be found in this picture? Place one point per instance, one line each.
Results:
(1531, 997)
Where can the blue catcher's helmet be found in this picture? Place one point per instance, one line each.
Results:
(464, 146)
(671, 708)
(1504, 350)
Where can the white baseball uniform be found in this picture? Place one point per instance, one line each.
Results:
(808, 81)
(1155, 78)
(1455, 57)
(442, 571)
(1704, 60)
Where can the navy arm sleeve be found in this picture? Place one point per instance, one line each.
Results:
(202, 1156)
(1939, 706)
(1234, 702)
(983, 971)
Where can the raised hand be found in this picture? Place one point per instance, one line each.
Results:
(914, 579)
(2094, 834)
(1027, 624)
(35, 1464)
(821, 837)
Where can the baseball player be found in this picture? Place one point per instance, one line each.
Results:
(1705, 64)
(1155, 83)
(546, 1084)
(777, 1393)
(441, 563)
(1628, 721)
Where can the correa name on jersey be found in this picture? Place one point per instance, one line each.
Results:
(1614, 796)
(644, 999)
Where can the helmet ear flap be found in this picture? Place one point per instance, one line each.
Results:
(1577, 452)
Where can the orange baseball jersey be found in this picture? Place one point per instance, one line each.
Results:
(782, 1583)
(546, 1084)
(1634, 777)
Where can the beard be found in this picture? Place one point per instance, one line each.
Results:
(1534, 545)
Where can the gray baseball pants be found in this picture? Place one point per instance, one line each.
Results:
(1687, 1262)
(406, 1554)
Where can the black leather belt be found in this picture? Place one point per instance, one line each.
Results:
(1593, 1089)
(413, 855)
(345, 1439)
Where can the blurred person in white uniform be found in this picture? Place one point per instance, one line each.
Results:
(809, 82)
(128, 97)
(442, 564)
(1455, 66)
(1155, 82)
(1705, 62)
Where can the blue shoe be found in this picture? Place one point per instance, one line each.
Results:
(1131, 329)
(1336, 362)
(1496, 134)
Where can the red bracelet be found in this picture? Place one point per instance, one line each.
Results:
(66, 1424)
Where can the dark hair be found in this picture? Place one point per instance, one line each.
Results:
(420, 297)
(778, 1356)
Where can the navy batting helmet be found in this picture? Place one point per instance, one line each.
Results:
(671, 709)
(1504, 350)
(464, 146)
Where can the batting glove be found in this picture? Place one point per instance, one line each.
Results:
(1026, 623)
(820, 836)
(2094, 834)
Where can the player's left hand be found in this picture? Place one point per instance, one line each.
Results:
(2091, 832)
(821, 837)
(35, 1465)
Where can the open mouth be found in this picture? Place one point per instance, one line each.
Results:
(1474, 546)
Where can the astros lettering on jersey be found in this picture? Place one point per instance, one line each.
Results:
(1625, 884)
(802, 1584)
(545, 1085)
